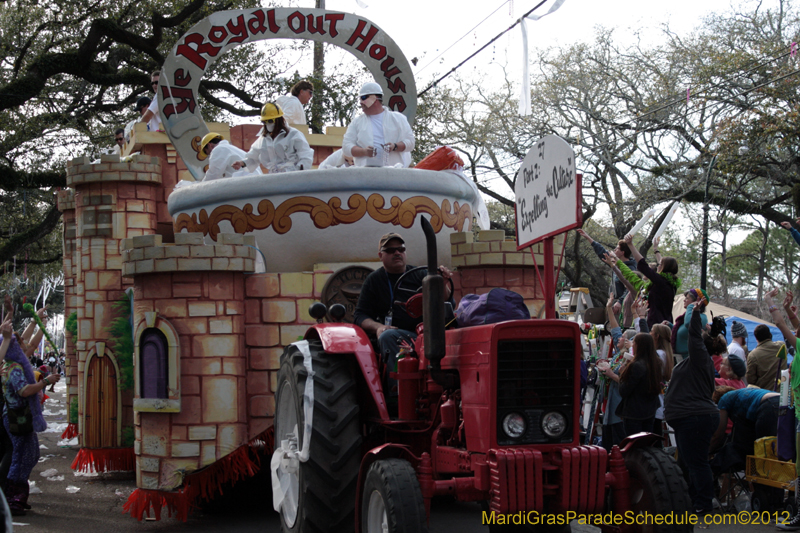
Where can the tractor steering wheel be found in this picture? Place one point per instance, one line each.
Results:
(418, 289)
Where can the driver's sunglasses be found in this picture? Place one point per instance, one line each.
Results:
(365, 96)
(119, 139)
(154, 82)
(394, 249)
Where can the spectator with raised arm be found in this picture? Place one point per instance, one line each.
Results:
(690, 410)
(622, 253)
(794, 373)
(631, 290)
(680, 329)
(613, 425)
(21, 391)
(661, 285)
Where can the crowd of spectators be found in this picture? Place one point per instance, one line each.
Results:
(679, 373)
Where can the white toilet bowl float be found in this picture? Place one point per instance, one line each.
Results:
(304, 218)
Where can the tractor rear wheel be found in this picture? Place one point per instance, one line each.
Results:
(322, 489)
(392, 500)
(657, 487)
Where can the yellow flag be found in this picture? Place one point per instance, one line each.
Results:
(781, 352)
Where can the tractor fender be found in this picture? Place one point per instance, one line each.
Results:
(638, 440)
(385, 451)
(351, 339)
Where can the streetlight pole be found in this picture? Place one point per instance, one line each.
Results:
(704, 257)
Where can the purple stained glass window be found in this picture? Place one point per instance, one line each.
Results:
(153, 353)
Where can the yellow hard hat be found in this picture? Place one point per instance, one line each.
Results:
(208, 138)
(271, 111)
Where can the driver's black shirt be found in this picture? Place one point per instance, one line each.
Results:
(376, 298)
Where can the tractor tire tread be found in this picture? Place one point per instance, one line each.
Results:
(405, 508)
(668, 484)
(329, 477)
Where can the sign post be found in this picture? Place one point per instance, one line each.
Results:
(548, 202)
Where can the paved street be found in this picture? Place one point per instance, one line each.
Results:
(97, 506)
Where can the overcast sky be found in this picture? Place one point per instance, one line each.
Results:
(426, 28)
(423, 29)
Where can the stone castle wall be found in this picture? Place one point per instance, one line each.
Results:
(225, 326)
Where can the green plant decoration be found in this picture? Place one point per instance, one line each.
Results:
(121, 340)
(71, 325)
(128, 436)
(73, 410)
(30, 309)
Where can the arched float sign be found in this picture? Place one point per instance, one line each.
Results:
(207, 40)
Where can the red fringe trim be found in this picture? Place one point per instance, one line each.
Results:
(105, 460)
(141, 500)
(70, 432)
(202, 485)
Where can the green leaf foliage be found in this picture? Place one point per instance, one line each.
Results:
(73, 410)
(71, 325)
(121, 340)
(128, 436)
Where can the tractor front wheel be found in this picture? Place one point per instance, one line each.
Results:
(392, 500)
(657, 487)
(320, 491)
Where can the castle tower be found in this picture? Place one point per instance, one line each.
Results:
(66, 204)
(111, 201)
(191, 393)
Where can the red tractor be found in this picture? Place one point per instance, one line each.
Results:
(485, 413)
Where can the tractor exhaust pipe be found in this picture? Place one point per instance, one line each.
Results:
(433, 302)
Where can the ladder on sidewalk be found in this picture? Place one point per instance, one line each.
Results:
(579, 301)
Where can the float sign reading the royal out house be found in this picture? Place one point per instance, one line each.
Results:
(548, 192)
(195, 52)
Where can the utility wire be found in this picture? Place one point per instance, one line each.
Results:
(482, 48)
(462, 37)
(631, 135)
(666, 105)
(635, 132)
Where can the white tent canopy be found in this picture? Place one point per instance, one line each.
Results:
(730, 314)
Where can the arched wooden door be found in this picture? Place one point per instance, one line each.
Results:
(100, 409)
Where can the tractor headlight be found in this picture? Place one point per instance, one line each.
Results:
(514, 425)
(554, 424)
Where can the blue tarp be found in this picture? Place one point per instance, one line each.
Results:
(751, 325)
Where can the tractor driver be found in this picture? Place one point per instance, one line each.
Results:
(377, 311)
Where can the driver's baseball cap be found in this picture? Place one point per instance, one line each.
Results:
(388, 237)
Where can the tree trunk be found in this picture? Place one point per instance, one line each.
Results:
(319, 72)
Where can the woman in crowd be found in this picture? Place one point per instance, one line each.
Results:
(660, 287)
(690, 410)
(661, 338)
(640, 386)
(613, 425)
(279, 148)
(20, 389)
(755, 415)
(731, 371)
(680, 329)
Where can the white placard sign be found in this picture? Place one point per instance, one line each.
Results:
(548, 192)
(209, 39)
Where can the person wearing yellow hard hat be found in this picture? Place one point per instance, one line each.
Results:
(279, 148)
(380, 137)
(221, 156)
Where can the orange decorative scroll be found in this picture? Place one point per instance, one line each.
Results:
(326, 214)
